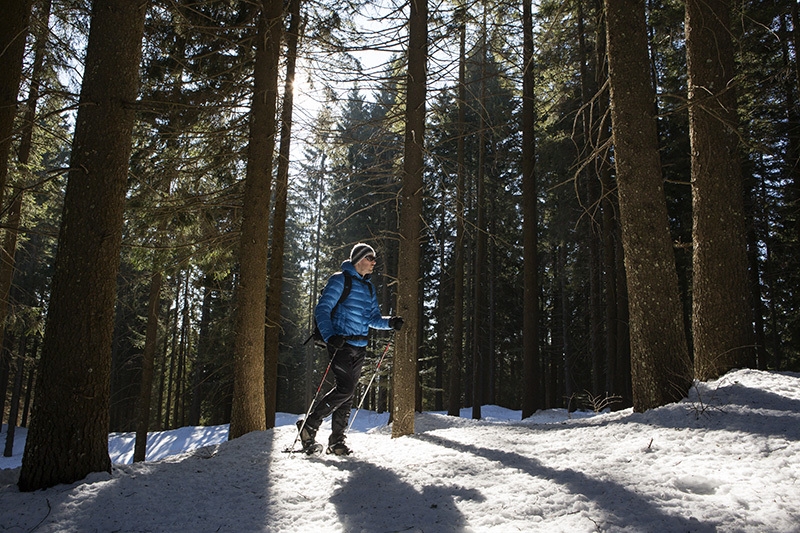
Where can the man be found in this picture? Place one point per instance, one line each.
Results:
(344, 325)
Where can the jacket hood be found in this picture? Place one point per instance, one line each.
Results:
(351, 269)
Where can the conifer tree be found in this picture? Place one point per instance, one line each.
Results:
(16, 14)
(660, 362)
(274, 299)
(531, 395)
(69, 439)
(248, 412)
(721, 317)
(405, 369)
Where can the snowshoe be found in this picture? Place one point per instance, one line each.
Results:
(313, 448)
(339, 448)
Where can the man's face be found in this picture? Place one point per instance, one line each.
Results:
(365, 265)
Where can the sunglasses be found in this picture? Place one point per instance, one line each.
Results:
(370, 258)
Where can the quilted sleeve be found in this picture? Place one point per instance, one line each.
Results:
(327, 301)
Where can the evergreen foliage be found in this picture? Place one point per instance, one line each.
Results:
(184, 199)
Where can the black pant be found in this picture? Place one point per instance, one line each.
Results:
(346, 366)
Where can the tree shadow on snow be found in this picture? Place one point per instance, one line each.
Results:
(375, 499)
(203, 492)
(713, 409)
(622, 509)
(713, 406)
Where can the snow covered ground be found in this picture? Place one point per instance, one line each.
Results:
(727, 459)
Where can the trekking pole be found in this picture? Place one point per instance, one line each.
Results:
(308, 412)
(377, 369)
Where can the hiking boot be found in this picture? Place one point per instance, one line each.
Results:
(307, 434)
(339, 448)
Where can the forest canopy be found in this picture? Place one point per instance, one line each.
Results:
(239, 149)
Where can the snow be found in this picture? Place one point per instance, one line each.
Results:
(726, 459)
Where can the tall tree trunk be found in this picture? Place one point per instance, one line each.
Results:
(441, 323)
(489, 391)
(42, 15)
(793, 159)
(457, 355)
(773, 292)
(23, 155)
(16, 393)
(610, 284)
(5, 375)
(69, 439)
(144, 404)
(624, 379)
(617, 377)
(405, 363)
(162, 380)
(272, 334)
(565, 319)
(310, 386)
(795, 164)
(592, 183)
(172, 354)
(557, 388)
(661, 369)
(8, 258)
(478, 347)
(721, 321)
(796, 40)
(758, 311)
(183, 351)
(148, 359)
(29, 387)
(248, 410)
(421, 355)
(203, 350)
(13, 31)
(531, 367)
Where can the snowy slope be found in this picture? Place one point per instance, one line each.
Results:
(727, 459)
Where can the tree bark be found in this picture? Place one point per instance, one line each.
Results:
(441, 322)
(248, 409)
(564, 317)
(272, 344)
(69, 439)
(478, 346)
(454, 393)
(171, 353)
(591, 177)
(721, 321)
(16, 393)
(661, 370)
(13, 31)
(613, 275)
(319, 188)
(148, 359)
(23, 155)
(8, 259)
(405, 364)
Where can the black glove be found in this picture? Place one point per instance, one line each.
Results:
(396, 323)
(337, 341)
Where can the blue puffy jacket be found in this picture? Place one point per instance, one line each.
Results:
(356, 314)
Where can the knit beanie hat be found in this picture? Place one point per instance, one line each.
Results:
(360, 251)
